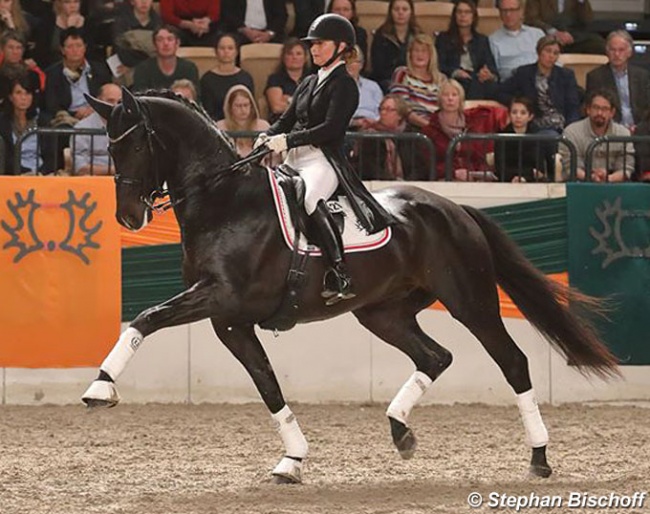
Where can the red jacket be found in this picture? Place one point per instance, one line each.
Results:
(470, 155)
(173, 11)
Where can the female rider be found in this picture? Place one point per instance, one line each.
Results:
(313, 129)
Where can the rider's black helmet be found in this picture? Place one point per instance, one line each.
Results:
(332, 27)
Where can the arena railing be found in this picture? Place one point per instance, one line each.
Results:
(608, 140)
(62, 139)
(550, 140)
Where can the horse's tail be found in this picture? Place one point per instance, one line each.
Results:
(545, 303)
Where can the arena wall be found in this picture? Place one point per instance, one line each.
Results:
(336, 360)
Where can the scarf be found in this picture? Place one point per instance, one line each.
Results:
(451, 126)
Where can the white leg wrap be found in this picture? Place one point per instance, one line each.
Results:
(408, 396)
(122, 352)
(289, 468)
(536, 433)
(294, 441)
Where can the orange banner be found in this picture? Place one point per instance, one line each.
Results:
(163, 229)
(60, 281)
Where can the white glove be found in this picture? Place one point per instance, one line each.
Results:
(277, 144)
(260, 140)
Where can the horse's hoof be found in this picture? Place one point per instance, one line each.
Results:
(403, 439)
(288, 471)
(538, 465)
(101, 393)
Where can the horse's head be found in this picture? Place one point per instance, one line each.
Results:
(132, 144)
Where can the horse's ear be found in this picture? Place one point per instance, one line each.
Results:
(102, 108)
(130, 102)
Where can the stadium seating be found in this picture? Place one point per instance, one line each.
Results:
(433, 16)
(260, 60)
(488, 20)
(581, 64)
(202, 56)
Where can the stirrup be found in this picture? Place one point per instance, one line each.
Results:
(337, 286)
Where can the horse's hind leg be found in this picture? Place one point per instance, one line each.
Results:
(473, 300)
(189, 306)
(246, 347)
(395, 323)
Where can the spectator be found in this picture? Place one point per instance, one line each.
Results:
(390, 44)
(19, 114)
(522, 161)
(68, 15)
(161, 71)
(348, 9)
(216, 83)
(292, 68)
(133, 32)
(386, 158)
(242, 115)
(306, 12)
(69, 79)
(185, 88)
(453, 120)
(12, 47)
(256, 21)
(370, 94)
(418, 83)
(567, 20)
(12, 18)
(196, 20)
(629, 84)
(465, 54)
(513, 44)
(612, 162)
(90, 152)
(552, 89)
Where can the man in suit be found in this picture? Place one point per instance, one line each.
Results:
(70, 78)
(567, 20)
(630, 85)
(255, 21)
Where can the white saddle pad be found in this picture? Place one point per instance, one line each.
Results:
(355, 237)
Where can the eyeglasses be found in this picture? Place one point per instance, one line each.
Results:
(387, 109)
(510, 11)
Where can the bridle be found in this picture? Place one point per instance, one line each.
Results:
(151, 200)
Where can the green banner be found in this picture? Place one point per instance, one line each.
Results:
(609, 256)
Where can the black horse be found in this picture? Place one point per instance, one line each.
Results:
(235, 266)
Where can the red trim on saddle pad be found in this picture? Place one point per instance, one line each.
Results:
(354, 239)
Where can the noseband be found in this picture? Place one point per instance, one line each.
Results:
(150, 200)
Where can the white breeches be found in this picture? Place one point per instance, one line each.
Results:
(317, 172)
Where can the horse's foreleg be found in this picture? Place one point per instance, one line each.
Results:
(395, 323)
(246, 347)
(189, 306)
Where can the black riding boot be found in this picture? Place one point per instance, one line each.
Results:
(337, 284)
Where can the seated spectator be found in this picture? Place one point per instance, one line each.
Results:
(418, 83)
(629, 84)
(453, 120)
(348, 9)
(12, 47)
(370, 94)
(216, 83)
(642, 151)
(386, 158)
(612, 162)
(522, 161)
(161, 71)
(18, 114)
(552, 89)
(568, 24)
(12, 18)
(90, 152)
(68, 15)
(197, 21)
(69, 79)
(185, 88)
(293, 67)
(241, 114)
(390, 44)
(255, 21)
(306, 11)
(133, 30)
(514, 44)
(465, 54)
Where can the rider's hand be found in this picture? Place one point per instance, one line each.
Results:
(277, 144)
(260, 140)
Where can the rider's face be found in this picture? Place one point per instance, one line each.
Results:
(322, 51)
